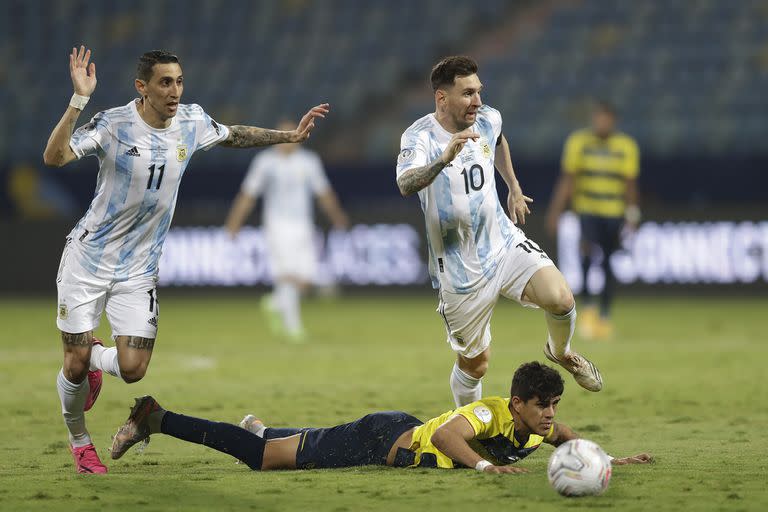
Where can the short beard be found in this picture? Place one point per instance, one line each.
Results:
(461, 124)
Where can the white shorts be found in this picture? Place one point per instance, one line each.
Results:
(131, 306)
(292, 251)
(467, 316)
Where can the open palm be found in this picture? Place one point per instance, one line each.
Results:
(83, 74)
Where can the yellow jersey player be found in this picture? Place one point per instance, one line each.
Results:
(599, 176)
(489, 434)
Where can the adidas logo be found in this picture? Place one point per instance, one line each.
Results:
(152, 321)
(134, 151)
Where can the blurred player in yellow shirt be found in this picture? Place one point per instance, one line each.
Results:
(600, 166)
(488, 434)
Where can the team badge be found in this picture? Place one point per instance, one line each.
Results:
(63, 311)
(181, 152)
(485, 147)
(483, 413)
(406, 156)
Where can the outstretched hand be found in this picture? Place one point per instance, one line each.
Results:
(307, 123)
(641, 458)
(505, 469)
(456, 144)
(518, 206)
(83, 74)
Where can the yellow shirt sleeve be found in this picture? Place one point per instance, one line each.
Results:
(632, 162)
(571, 161)
(480, 416)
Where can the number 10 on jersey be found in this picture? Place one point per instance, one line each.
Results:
(474, 178)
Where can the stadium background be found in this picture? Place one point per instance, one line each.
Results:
(688, 78)
(685, 75)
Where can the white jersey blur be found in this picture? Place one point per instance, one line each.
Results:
(289, 183)
(467, 229)
(140, 168)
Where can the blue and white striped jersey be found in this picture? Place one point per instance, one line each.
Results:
(467, 229)
(140, 168)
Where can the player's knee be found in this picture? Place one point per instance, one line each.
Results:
(560, 300)
(478, 370)
(565, 301)
(75, 368)
(477, 367)
(133, 373)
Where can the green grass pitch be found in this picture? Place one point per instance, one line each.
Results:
(684, 380)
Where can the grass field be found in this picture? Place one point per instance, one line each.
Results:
(684, 380)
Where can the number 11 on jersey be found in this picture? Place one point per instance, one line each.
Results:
(161, 170)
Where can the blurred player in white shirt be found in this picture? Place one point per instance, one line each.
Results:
(289, 178)
(110, 257)
(476, 253)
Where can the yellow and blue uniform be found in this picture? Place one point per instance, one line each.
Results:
(494, 438)
(601, 168)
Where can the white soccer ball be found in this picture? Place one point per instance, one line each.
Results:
(579, 468)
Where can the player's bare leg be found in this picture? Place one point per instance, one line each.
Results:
(549, 290)
(74, 389)
(134, 354)
(465, 381)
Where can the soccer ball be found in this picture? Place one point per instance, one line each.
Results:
(579, 468)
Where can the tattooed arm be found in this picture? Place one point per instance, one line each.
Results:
(418, 178)
(413, 180)
(251, 136)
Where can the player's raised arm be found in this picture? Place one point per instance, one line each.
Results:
(252, 136)
(413, 180)
(83, 72)
(516, 201)
(451, 439)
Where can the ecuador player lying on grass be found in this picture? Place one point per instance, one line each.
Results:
(487, 435)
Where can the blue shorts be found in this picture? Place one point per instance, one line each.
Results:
(363, 442)
(602, 231)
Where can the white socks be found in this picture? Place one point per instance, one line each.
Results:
(105, 359)
(465, 388)
(560, 331)
(73, 398)
(286, 299)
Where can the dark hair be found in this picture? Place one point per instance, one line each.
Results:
(605, 106)
(536, 380)
(446, 71)
(148, 61)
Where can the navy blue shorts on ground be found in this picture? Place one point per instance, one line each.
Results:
(363, 442)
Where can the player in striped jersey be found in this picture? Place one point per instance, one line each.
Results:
(600, 168)
(476, 253)
(110, 257)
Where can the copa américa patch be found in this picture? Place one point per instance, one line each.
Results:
(483, 413)
(406, 156)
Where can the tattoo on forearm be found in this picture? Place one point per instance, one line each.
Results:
(140, 343)
(416, 179)
(83, 339)
(251, 136)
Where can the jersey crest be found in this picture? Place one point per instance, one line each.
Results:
(181, 152)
